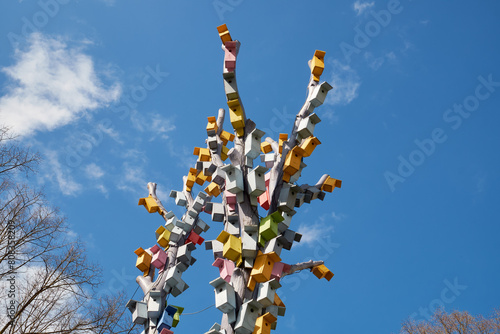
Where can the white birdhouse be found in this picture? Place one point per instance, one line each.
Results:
(268, 159)
(212, 144)
(225, 298)
(179, 288)
(273, 245)
(252, 143)
(249, 241)
(288, 237)
(217, 212)
(266, 293)
(215, 329)
(288, 194)
(256, 181)
(201, 226)
(282, 226)
(234, 178)
(174, 275)
(184, 252)
(295, 177)
(307, 124)
(176, 234)
(319, 94)
(247, 317)
(230, 86)
(154, 304)
(139, 311)
(216, 246)
(180, 198)
(233, 228)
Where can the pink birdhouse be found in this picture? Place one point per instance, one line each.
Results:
(278, 269)
(226, 268)
(230, 56)
(159, 257)
(231, 200)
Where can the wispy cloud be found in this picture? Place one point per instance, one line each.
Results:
(345, 82)
(59, 174)
(51, 85)
(93, 171)
(154, 123)
(361, 7)
(312, 232)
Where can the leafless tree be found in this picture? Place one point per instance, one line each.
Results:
(47, 283)
(456, 322)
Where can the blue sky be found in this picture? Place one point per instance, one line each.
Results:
(115, 94)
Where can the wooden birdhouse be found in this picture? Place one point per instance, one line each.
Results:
(150, 204)
(249, 241)
(200, 226)
(293, 159)
(249, 312)
(230, 55)
(267, 290)
(268, 159)
(307, 124)
(252, 143)
(143, 259)
(154, 304)
(176, 234)
(191, 178)
(218, 212)
(194, 238)
(265, 147)
(278, 270)
(256, 181)
(225, 298)
(287, 219)
(167, 318)
(226, 137)
(213, 189)
(330, 184)
(216, 246)
(159, 257)
(212, 126)
(179, 197)
(230, 86)
(226, 268)
(263, 266)
(288, 194)
(282, 139)
(179, 288)
(309, 145)
(317, 64)
(177, 314)
(288, 237)
(263, 324)
(232, 246)
(202, 153)
(319, 94)
(322, 271)
(162, 236)
(269, 227)
(224, 33)
(234, 178)
(223, 153)
(236, 115)
(184, 252)
(264, 200)
(139, 311)
(174, 276)
(273, 245)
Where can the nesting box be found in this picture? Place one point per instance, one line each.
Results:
(226, 268)
(288, 237)
(225, 298)
(319, 93)
(174, 275)
(159, 257)
(293, 159)
(249, 241)
(177, 314)
(213, 189)
(230, 86)
(230, 56)
(194, 238)
(287, 219)
(234, 178)
(232, 246)
(143, 259)
(268, 159)
(252, 143)
(322, 271)
(256, 181)
(154, 304)
(269, 227)
(266, 293)
(288, 194)
(249, 312)
(265, 147)
(218, 212)
(224, 33)
(317, 64)
(179, 197)
(226, 137)
(211, 126)
(264, 200)
(330, 184)
(167, 318)
(282, 139)
(216, 246)
(307, 124)
(263, 266)
(309, 145)
(179, 288)
(200, 227)
(162, 236)
(184, 252)
(139, 311)
(273, 245)
(150, 204)
(263, 324)
(236, 114)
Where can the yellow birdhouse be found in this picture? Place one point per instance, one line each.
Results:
(331, 184)
(263, 324)
(162, 236)
(226, 137)
(213, 189)
(236, 114)
(292, 161)
(265, 147)
(191, 178)
(263, 266)
(212, 126)
(150, 204)
(322, 271)
(232, 246)
(223, 153)
(224, 33)
(318, 64)
(143, 259)
(309, 145)
(283, 137)
(202, 153)
(202, 178)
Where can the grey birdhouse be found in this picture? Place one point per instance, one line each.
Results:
(139, 311)
(266, 293)
(256, 181)
(234, 178)
(252, 143)
(307, 124)
(319, 94)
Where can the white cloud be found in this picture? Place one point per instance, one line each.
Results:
(61, 174)
(51, 85)
(311, 233)
(360, 7)
(153, 123)
(345, 82)
(93, 171)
